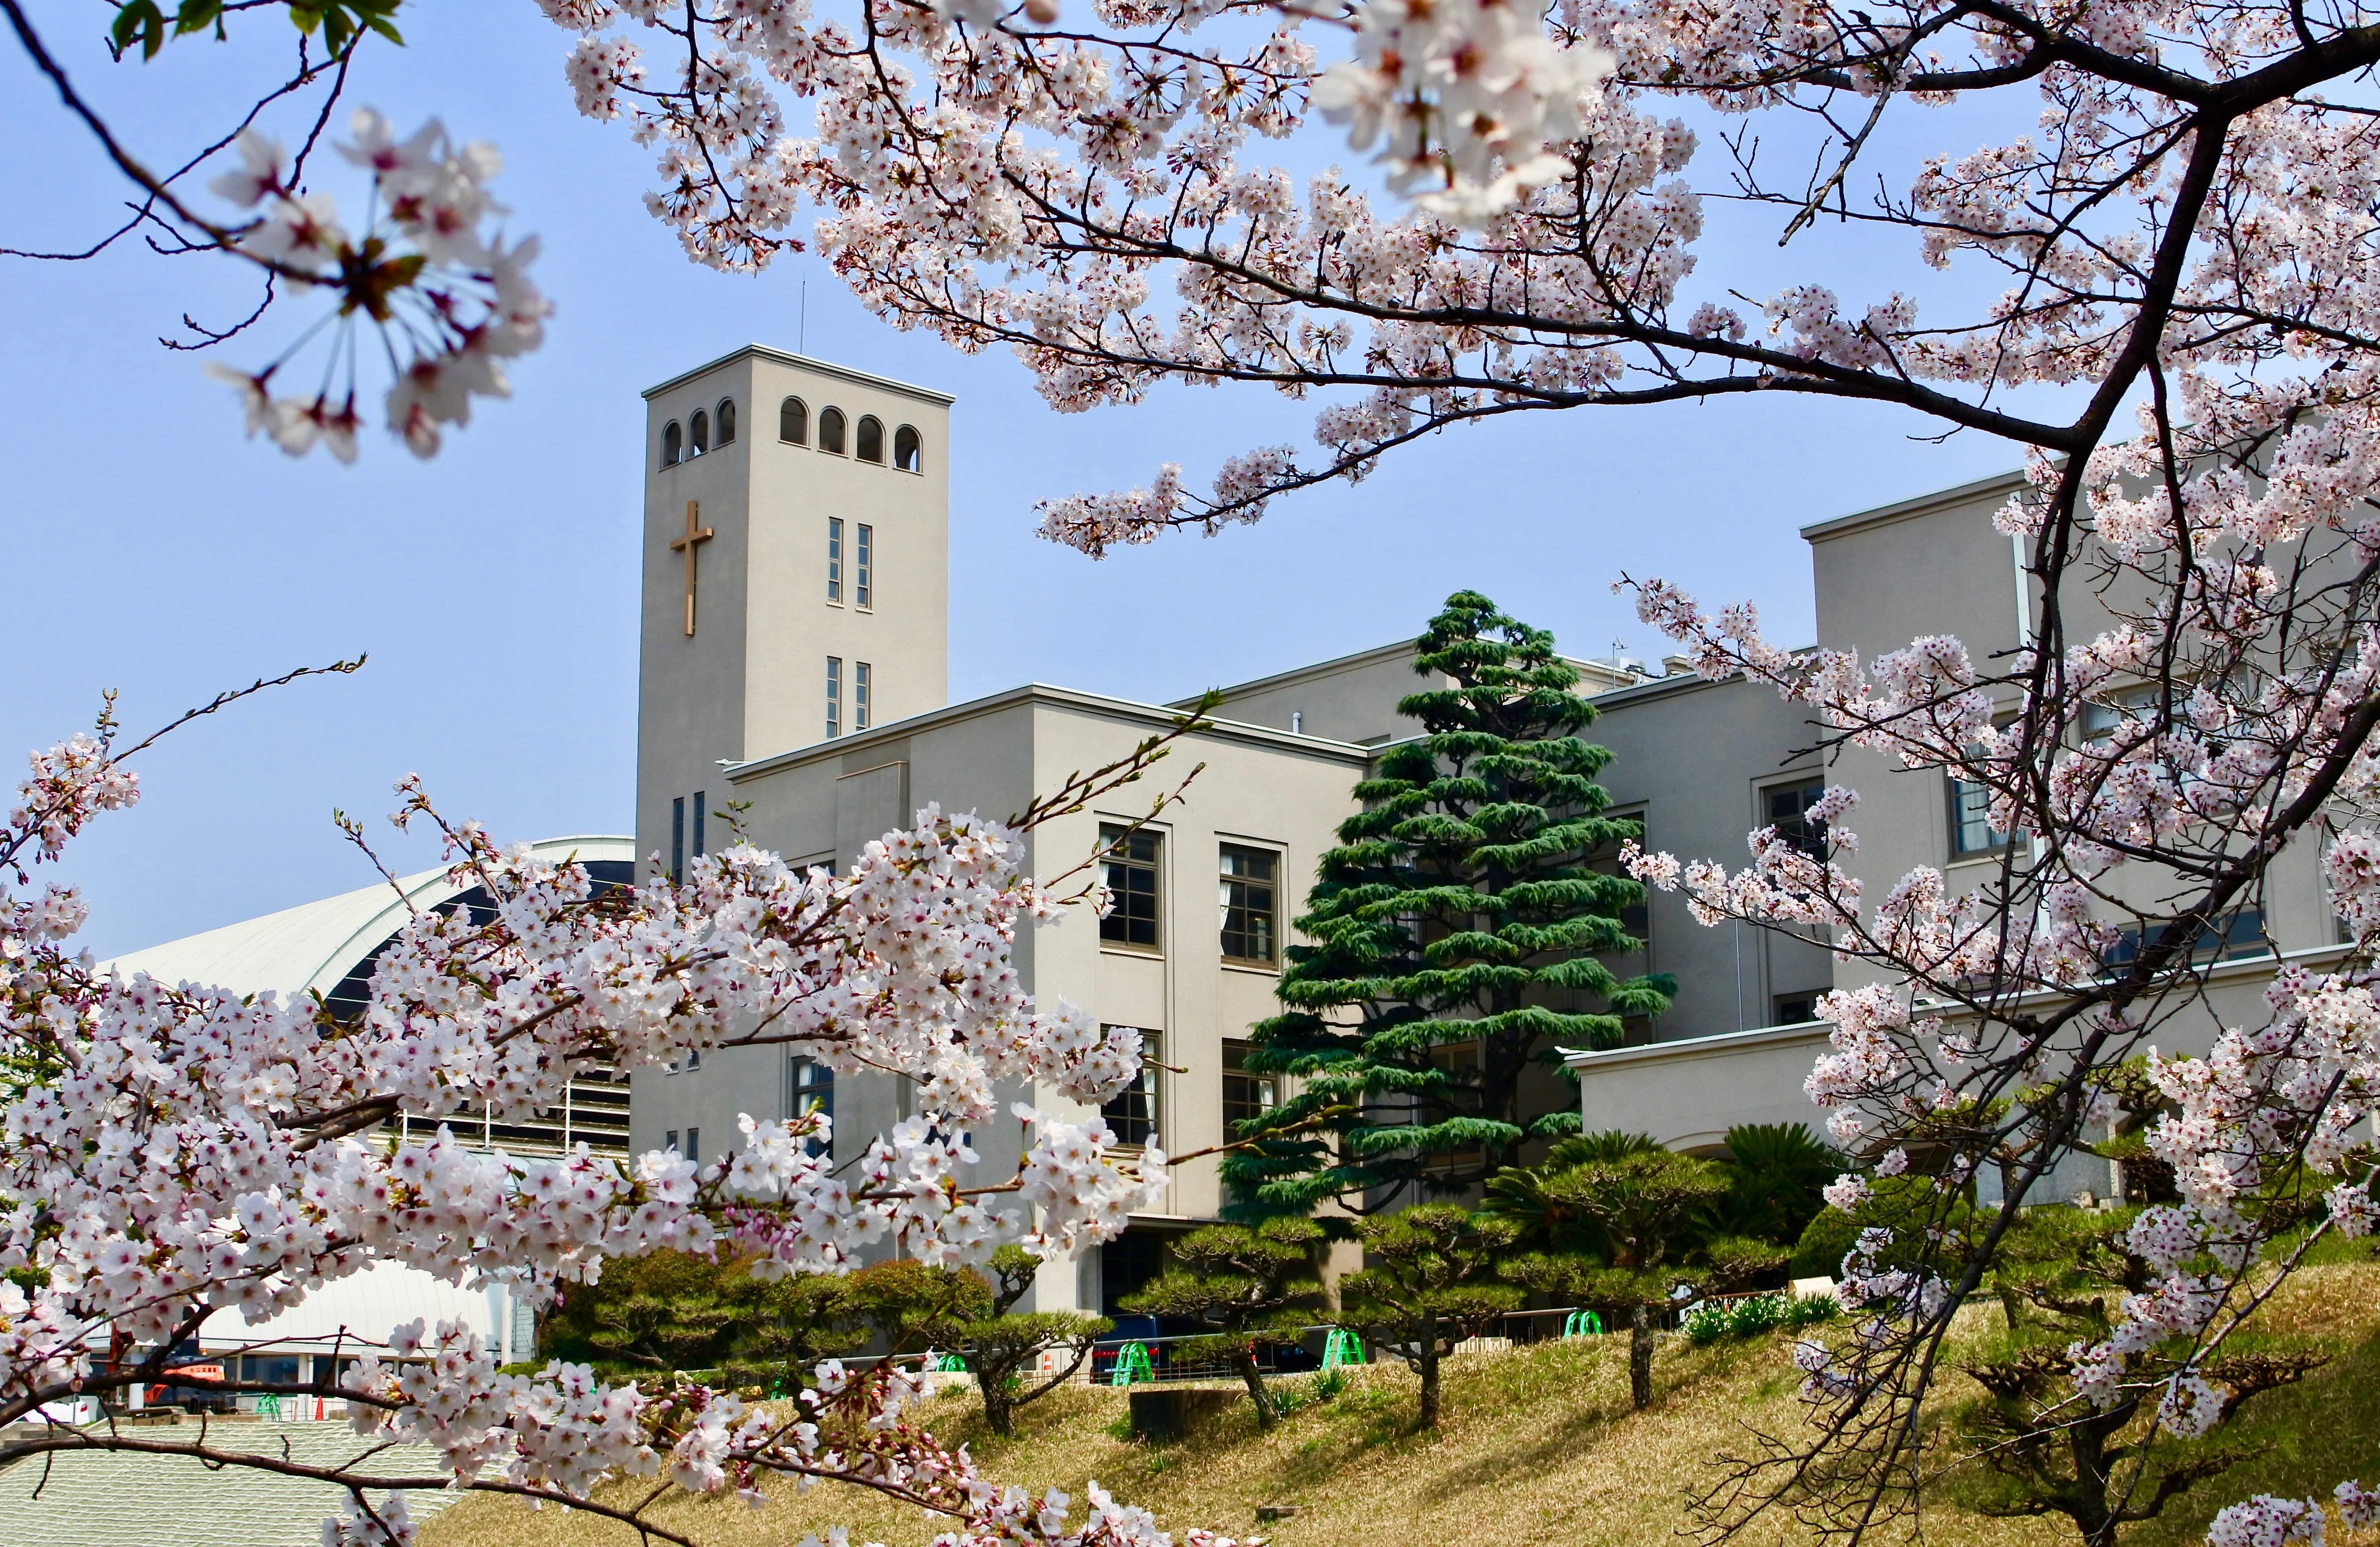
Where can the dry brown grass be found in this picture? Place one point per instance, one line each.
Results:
(1538, 1445)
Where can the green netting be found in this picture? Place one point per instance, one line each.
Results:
(1582, 1324)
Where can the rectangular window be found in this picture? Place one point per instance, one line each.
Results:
(859, 695)
(1132, 1115)
(698, 823)
(1786, 808)
(1129, 865)
(694, 1145)
(1793, 1009)
(834, 697)
(834, 558)
(669, 1141)
(865, 572)
(813, 1091)
(2241, 935)
(2135, 709)
(1246, 1094)
(677, 840)
(1971, 821)
(1246, 894)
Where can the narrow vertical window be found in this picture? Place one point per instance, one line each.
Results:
(699, 441)
(1128, 864)
(1971, 821)
(694, 1145)
(871, 439)
(834, 558)
(865, 568)
(813, 1091)
(1247, 889)
(834, 697)
(726, 422)
(1247, 1095)
(677, 840)
(1132, 1113)
(794, 421)
(908, 450)
(699, 847)
(673, 444)
(860, 686)
(669, 1141)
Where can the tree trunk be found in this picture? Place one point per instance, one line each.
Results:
(1428, 1362)
(1246, 1360)
(1640, 1355)
(997, 1411)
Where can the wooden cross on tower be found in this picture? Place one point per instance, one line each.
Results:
(686, 545)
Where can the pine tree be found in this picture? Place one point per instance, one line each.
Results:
(1450, 941)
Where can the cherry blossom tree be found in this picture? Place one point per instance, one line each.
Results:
(2161, 296)
(169, 1153)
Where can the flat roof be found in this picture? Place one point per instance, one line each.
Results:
(1602, 669)
(1835, 525)
(804, 362)
(1156, 716)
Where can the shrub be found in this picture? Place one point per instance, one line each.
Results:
(1752, 1315)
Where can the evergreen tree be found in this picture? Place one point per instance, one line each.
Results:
(1005, 1349)
(1645, 1218)
(1451, 940)
(1428, 1282)
(672, 1311)
(1252, 1284)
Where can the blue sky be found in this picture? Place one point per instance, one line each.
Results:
(159, 555)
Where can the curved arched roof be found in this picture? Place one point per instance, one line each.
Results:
(315, 944)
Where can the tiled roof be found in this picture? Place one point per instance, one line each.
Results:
(117, 1499)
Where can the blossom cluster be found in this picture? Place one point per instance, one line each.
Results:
(428, 266)
(168, 1151)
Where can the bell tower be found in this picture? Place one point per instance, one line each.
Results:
(796, 575)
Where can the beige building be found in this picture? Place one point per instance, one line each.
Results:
(754, 655)
(1934, 565)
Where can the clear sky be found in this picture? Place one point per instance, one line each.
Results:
(158, 554)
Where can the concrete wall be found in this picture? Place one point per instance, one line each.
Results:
(750, 680)
(1258, 787)
(1692, 761)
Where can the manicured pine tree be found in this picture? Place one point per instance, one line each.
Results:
(1428, 1282)
(1450, 941)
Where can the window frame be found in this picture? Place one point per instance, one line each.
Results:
(841, 426)
(697, 434)
(677, 840)
(834, 697)
(1149, 1088)
(722, 418)
(673, 443)
(1810, 840)
(802, 410)
(1956, 793)
(1226, 881)
(1237, 1048)
(834, 561)
(917, 462)
(860, 430)
(1110, 833)
(699, 850)
(797, 1089)
(863, 567)
(862, 676)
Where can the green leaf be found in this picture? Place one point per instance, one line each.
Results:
(141, 19)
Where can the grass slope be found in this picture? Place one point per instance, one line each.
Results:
(1538, 1445)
